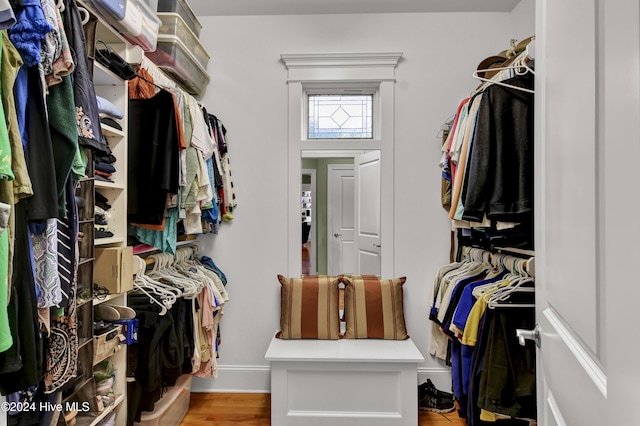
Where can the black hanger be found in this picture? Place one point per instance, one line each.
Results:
(151, 82)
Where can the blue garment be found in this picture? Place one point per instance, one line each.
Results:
(105, 167)
(164, 240)
(467, 300)
(456, 366)
(462, 365)
(21, 94)
(29, 31)
(208, 263)
(211, 213)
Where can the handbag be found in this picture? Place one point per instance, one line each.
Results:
(114, 62)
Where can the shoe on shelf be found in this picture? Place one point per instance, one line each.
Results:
(428, 388)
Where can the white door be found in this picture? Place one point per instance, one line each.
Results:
(341, 254)
(367, 212)
(309, 215)
(586, 152)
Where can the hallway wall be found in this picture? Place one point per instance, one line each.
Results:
(248, 92)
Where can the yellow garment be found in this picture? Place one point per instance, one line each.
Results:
(488, 416)
(470, 335)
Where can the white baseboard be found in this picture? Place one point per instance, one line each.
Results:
(440, 376)
(236, 379)
(257, 379)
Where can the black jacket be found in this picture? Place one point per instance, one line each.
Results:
(499, 178)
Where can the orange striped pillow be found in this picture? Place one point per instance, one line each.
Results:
(374, 308)
(309, 308)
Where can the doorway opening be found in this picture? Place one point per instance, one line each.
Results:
(345, 225)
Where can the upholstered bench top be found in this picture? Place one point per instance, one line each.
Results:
(344, 350)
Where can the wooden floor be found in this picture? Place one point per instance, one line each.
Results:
(306, 258)
(233, 409)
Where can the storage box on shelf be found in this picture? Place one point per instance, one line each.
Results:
(174, 25)
(182, 8)
(175, 59)
(113, 269)
(133, 18)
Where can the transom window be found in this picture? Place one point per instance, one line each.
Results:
(340, 116)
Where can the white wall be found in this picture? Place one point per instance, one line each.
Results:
(249, 94)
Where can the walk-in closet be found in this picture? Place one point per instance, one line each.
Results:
(310, 213)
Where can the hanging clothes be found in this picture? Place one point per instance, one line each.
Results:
(62, 343)
(492, 375)
(153, 157)
(87, 117)
(43, 204)
(21, 366)
(499, 181)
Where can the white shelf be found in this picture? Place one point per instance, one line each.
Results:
(111, 132)
(102, 76)
(100, 299)
(92, 421)
(108, 185)
(108, 240)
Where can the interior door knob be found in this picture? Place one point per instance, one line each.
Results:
(337, 235)
(524, 335)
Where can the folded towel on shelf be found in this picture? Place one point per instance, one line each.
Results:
(104, 167)
(106, 107)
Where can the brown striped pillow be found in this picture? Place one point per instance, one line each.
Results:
(374, 308)
(309, 308)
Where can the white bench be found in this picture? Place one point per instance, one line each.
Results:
(344, 382)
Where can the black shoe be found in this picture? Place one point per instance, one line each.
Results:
(435, 404)
(103, 234)
(428, 388)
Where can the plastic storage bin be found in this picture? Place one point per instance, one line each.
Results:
(133, 18)
(172, 407)
(174, 25)
(182, 8)
(173, 57)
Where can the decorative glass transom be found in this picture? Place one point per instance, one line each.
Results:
(340, 116)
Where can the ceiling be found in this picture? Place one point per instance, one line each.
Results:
(303, 7)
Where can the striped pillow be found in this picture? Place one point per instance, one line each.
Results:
(309, 308)
(374, 308)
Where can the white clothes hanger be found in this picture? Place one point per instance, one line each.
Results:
(519, 66)
(168, 293)
(140, 284)
(500, 297)
(163, 270)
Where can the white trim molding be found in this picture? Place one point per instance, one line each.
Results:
(317, 71)
(326, 60)
(236, 379)
(332, 67)
(591, 368)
